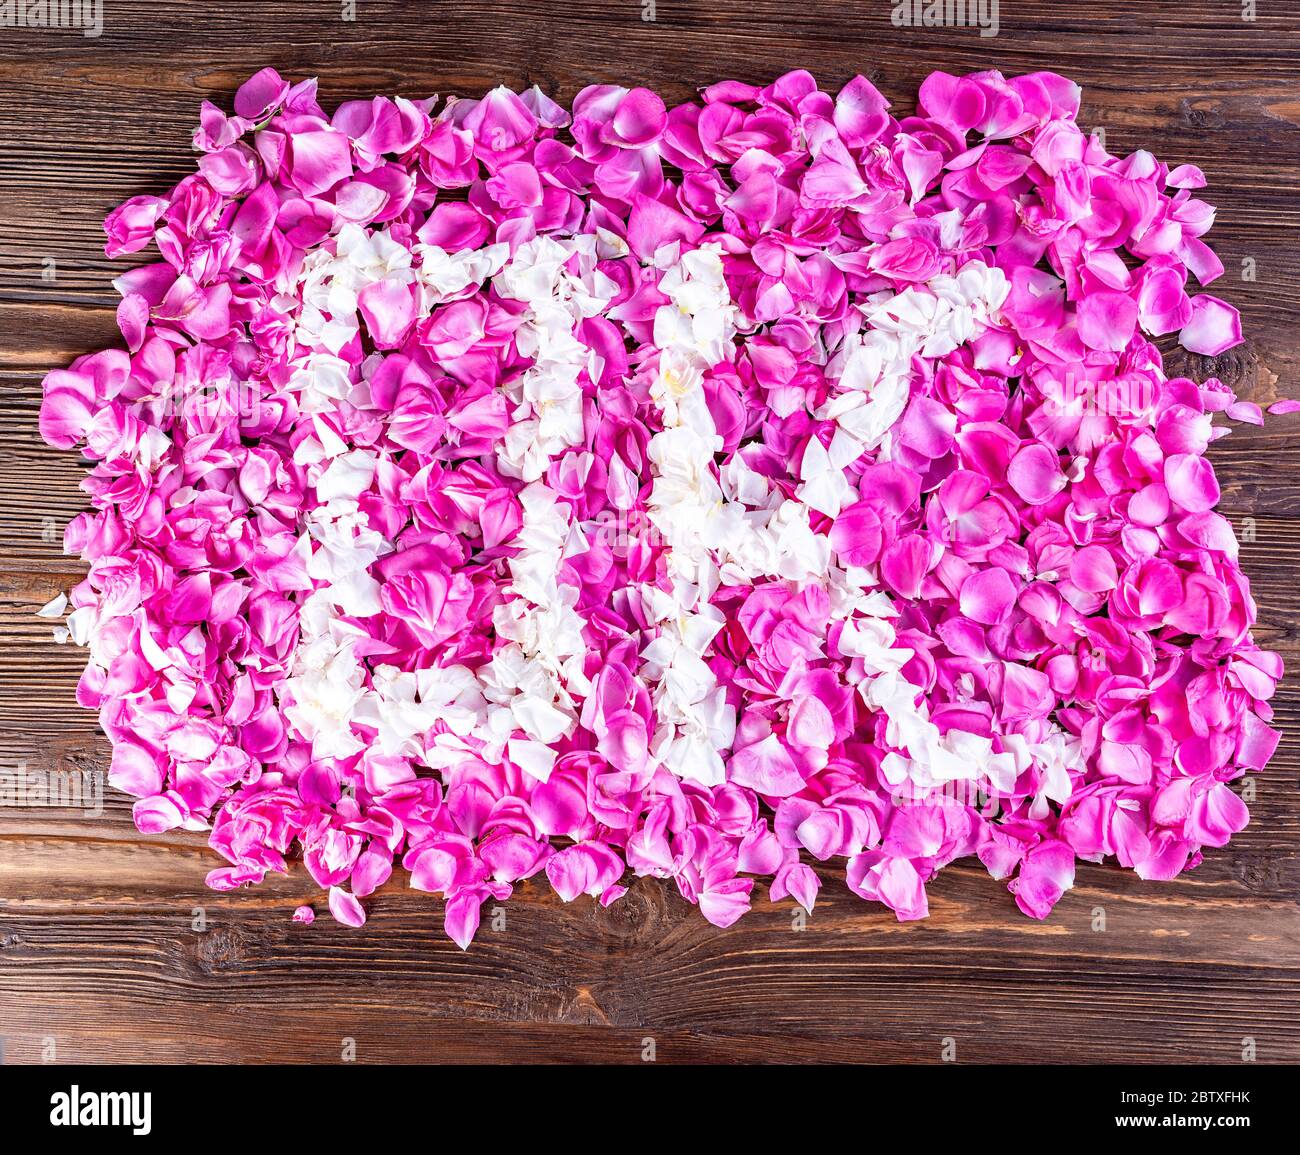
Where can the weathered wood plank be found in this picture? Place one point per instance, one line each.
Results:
(1176, 976)
(97, 947)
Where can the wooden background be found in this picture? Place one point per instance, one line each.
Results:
(98, 956)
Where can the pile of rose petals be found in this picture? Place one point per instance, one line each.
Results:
(498, 488)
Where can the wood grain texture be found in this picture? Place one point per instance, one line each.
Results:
(98, 951)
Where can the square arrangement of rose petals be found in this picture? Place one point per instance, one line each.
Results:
(494, 488)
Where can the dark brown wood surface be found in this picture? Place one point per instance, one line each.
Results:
(99, 958)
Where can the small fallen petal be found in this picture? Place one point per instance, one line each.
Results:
(1246, 411)
(54, 608)
(345, 908)
(1214, 328)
